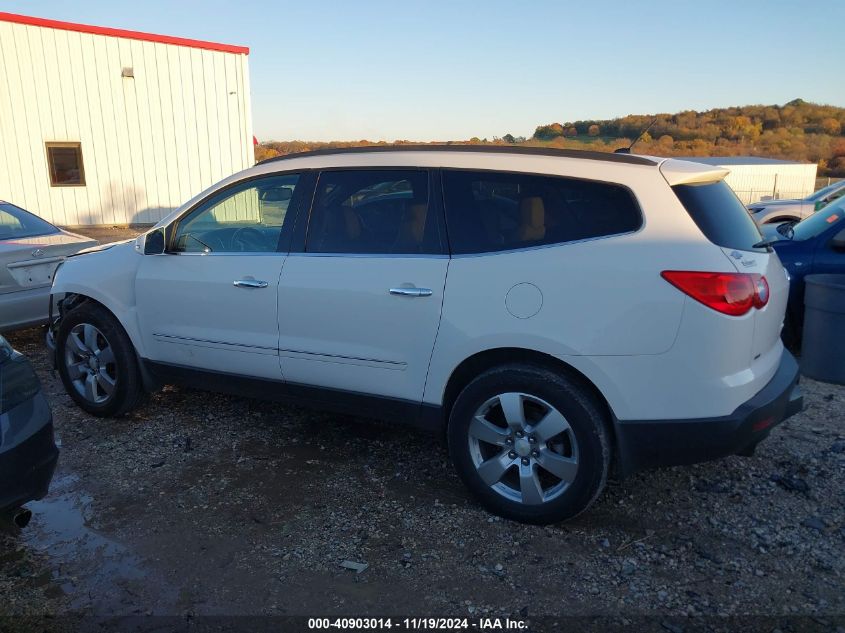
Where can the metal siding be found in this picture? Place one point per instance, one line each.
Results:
(9, 179)
(168, 147)
(22, 143)
(200, 115)
(183, 160)
(131, 133)
(246, 113)
(148, 144)
(751, 182)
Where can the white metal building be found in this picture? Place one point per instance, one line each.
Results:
(108, 126)
(754, 178)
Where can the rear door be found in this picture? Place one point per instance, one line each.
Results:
(359, 305)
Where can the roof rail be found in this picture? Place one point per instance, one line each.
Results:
(493, 149)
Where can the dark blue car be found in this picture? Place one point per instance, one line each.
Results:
(814, 245)
(28, 452)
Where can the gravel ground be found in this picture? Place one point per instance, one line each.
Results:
(208, 504)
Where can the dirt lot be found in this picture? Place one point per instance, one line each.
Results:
(208, 504)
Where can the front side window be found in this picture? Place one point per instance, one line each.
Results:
(492, 211)
(373, 212)
(64, 161)
(251, 217)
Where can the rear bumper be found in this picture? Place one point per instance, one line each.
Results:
(24, 308)
(655, 443)
(26, 467)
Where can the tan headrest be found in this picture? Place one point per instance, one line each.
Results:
(532, 219)
(415, 222)
(353, 224)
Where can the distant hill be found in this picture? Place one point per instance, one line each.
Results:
(797, 130)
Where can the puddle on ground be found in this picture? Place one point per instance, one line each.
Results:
(97, 574)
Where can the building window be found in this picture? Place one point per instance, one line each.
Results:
(65, 163)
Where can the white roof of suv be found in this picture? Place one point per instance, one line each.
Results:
(513, 158)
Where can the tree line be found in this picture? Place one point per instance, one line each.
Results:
(797, 130)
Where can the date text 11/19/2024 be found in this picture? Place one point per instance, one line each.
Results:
(418, 624)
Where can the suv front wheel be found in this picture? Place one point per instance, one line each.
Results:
(531, 444)
(96, 361)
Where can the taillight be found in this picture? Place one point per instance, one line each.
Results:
(761, 291)
(733, 294)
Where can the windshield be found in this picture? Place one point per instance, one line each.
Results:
(820, 221)
(825, 191)
(16, 223)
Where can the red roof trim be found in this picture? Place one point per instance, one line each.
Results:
(134, 35)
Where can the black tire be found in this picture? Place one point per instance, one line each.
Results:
(128, 389)
(587, 419)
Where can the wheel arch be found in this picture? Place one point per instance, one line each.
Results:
(782, 218)
(78, 299)
(482, 361)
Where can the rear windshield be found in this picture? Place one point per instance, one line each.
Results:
(17, 223)
(720, 215)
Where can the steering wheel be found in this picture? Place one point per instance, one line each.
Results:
(247, 239)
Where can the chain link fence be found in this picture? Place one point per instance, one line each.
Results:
(777, 192)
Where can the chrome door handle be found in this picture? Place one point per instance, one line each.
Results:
(249, 283)
(411, 292)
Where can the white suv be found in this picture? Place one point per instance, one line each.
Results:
(554, 312)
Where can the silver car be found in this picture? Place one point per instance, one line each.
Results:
(777, 211)
(30, 251)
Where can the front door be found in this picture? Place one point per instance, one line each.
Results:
(210, 302)
(359, 309)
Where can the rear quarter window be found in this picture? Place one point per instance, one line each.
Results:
(488, 212)
(720, 215)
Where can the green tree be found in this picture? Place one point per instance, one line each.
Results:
(548, 132)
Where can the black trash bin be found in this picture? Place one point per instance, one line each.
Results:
(823, 347)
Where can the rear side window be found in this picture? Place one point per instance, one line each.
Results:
(494, 211)
(17, 223)
(720, 215)
(373, 212)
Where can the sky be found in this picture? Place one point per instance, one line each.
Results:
(450, 70)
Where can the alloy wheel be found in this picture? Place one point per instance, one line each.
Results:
(523, 448)
(90, 363)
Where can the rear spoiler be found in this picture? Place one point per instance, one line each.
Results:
(685, 172)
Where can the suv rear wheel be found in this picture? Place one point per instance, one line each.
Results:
(531, 444)
(96, 361)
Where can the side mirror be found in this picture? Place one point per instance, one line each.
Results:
(838, 241)
(154, 242)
